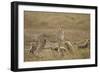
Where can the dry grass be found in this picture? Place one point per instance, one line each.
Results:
(48, 54)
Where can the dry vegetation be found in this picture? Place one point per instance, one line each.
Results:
(76, 28)
(48, 54)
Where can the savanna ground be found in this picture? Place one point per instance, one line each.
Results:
(76, 27)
